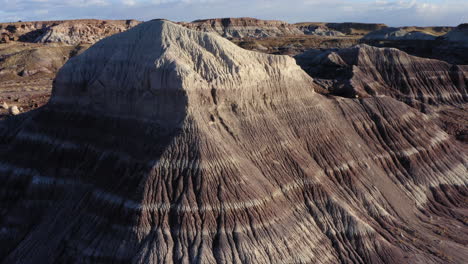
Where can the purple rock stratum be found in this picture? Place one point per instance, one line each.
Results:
(166, 145)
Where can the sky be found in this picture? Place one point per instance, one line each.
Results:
(390, 12)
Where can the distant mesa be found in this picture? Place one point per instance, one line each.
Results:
(89, 31)
(458, 36)
(244, 27)
(398, 34)
(65, 31)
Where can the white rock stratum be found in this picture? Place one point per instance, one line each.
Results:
(125, 73)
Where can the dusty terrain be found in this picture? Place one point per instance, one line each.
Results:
(27, 71)
(186, 148)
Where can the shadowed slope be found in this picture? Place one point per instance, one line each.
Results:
(434, 87)
(166, 145)
(368, 71)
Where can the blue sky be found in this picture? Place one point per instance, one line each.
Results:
(391, 12)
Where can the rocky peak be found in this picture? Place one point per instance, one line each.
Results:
(160, 56)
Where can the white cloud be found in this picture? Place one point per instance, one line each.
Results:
(129, 2)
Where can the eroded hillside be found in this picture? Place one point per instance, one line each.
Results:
(186, 148)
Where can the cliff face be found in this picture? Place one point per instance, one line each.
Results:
(166, 145)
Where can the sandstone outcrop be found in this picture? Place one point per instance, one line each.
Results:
(167, 145)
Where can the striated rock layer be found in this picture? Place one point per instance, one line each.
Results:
(364, 70)
(435, 87)
(244, 27)
(75, 32)
(166, 145)
(64, 31)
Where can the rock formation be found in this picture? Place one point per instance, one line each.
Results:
(373, 71)
(318, 30)
(14, 110)
(34, 59)
(458, 36)
(347, 28)
(86, 32)
(247, 27)
(435, 31)
(90, 30)
(166, 145)
(453, 45)
(66, 31)
(392, 33)
(244, 27)
(351, 28)
(365, 71)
